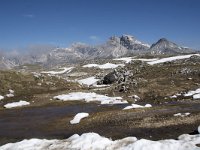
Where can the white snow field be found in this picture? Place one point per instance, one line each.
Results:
(16, 104)
(125, 59)
(65, 70)
(88, 81)
(103, 66)
(156, 60)
(77, 118)
(93, 141)
(169, 59)
(137, 106)
(1, 97)
(89, 97)
(129, 59)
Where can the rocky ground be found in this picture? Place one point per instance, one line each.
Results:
(163, 85)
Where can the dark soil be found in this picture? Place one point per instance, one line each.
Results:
(52, 121)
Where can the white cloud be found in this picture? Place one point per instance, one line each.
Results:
(28, 15)
(94, 38)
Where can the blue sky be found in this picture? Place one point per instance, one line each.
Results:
(62, 22)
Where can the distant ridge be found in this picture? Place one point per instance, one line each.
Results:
(113, 48)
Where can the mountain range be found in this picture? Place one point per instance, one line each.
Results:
(125, 45)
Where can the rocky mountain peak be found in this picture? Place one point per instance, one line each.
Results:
(116, 46)
(113, 40)
(128, 37)
(163, 40)
(131, 43)
(164, 46)
(163, 43)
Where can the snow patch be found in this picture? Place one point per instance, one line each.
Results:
(89, 97)
(65, 70)
(104, 66)
(100, 86)
(169, 59)
(125, 59)
(16, 104)
(194, 93)
(11, 91)
(91, 81)
(78, 117)
(156, 60)
(10, 95)
(146, 60)
(190, 93)
(196, 96)
(129, 59)
(173, 96)
(1, 97)
(137, 106)
(88, 81)
(135, 97)
(90, 65)
(182, 114)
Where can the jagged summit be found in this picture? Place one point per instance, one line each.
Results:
(163, 40)
(164, 46)
(129, 38)
(131, 42)
(163, 43)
